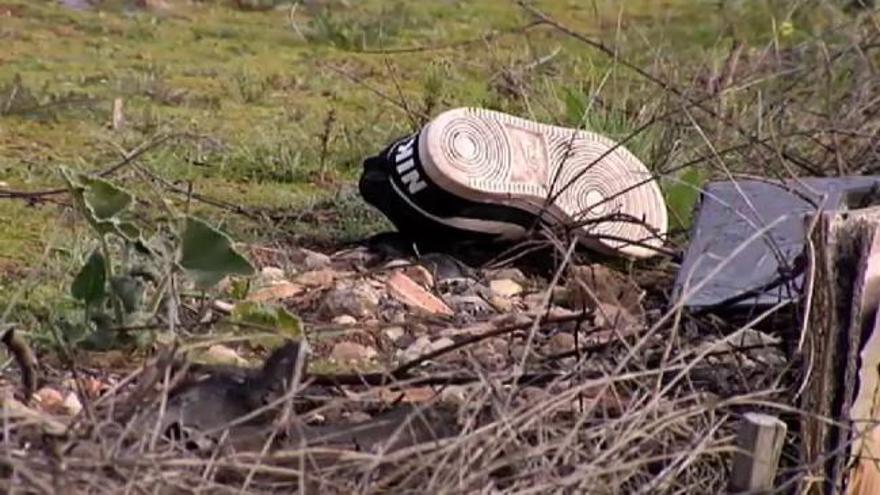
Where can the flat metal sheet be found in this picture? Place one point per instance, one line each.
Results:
(748, 235)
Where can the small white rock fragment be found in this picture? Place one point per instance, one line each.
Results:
(271, 275)
(344, 352)
(422, 345)
(393, 333)
(220, 354)
(514, 274)
(315, 260)
(441, 343)
(345, 320)
(358, 300)
(505, 287)
(71, 404)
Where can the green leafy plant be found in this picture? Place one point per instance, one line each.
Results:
(127, 280)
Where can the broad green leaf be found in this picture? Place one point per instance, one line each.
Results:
(272, 317)
(208, 256)
(682, 195)
(101, 202)
(131, 233)
(88, 286)
(105, 199)
(128, 230)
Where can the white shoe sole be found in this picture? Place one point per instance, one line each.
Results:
(487, 156)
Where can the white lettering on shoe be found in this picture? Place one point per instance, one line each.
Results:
(409, 175)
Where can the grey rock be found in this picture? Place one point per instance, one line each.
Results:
(358, 300)
(514, 274)
(421, 346)
(393, 333)
(505, 288)
(314, 260)
(345, 320)
(441, 343)
(561, 342)
(469, 304)
(344, 352)
(270, 275)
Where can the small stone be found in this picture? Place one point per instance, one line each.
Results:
(271, 275)
(471, 305)
(514, 274)
(393, 333)
(317, 278)
(561, 342)
(505, 288)
(315, 260)
(355, 417)
(345, 320)
(220, 354)
(405, 341)
(49, 400)
(360, 256)
(223, 306)
(534, 302)
(358, 300)
(71, 404)
(276, 292)
(489, 358)
(421, 346)
(344, 352)
(441, 343)
(501, 304)
(455, 395)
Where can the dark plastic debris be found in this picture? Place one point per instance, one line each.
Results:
(760, 227)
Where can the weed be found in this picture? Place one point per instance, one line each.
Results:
(127, 280)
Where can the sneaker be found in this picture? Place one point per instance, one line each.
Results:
(474, 173)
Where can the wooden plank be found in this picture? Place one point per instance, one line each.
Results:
(865, 411)
(844, 291)
(759, 445)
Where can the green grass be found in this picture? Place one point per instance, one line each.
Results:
(286, 109)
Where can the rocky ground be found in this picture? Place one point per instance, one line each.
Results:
(418, 370)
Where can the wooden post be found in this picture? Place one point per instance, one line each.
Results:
(843, 290)
(118, 119)
(759, 443)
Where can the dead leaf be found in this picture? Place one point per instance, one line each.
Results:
(599, 287)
